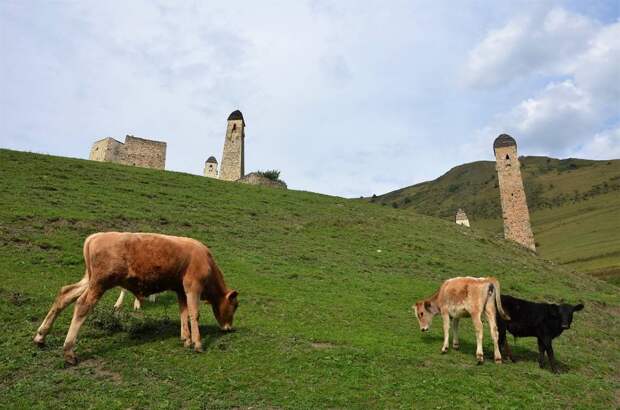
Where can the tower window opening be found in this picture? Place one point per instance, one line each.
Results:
(234, 127)
(507, 156)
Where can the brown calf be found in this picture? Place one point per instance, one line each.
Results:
(144, 264)
(461, 297)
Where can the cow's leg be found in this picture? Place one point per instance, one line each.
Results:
(152, 297)
(67, 295)
(185, 334)
(193, 301)
(137, 303)
(455, 333)
(446, 331)
(119, 301)
(83, 306)
(477, 320)
(503, 341)
(491, 315)
(541, 352)
(549, 349)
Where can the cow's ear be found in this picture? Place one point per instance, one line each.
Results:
(578, 307)
(232, 295)
(430, 307)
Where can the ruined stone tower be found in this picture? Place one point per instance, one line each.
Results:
(461, 218)
(514, 206)
(232, 167)
(211, 167)
(134, 151)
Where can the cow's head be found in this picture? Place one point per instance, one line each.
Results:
(225, 310)
(424, 310)
(564, 313)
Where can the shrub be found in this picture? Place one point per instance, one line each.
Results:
(272, 174)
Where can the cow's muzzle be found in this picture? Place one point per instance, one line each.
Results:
(424, 329)
(226, 328)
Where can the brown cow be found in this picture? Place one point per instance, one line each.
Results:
(461, 297)
(145, 263)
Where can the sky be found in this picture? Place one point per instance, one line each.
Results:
(345, 97)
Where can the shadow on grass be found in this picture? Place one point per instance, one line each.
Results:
(520, 353)
(139, 329)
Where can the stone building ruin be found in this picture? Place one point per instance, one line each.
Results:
(211, 170)
(461, 218)
(134, 151)
(233, 166)
(515, 213)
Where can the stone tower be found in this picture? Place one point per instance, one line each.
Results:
(514, 206)
(211, 167)
(461, 218)
(233, 157)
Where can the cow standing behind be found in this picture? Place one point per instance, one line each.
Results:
(461, 297)
(145, 264)
(137, 303)
(544, 321)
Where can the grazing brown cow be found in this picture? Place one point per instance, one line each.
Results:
(145, 263)
(460, 297)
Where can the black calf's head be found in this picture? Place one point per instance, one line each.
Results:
(564, 313)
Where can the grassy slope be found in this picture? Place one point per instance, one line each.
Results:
(574, 206)
(324, 319)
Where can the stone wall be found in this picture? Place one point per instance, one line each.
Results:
(105, 150)
(135, 151)
(515, 213)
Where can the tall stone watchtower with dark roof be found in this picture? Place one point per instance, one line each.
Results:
(233, 166)
(514, 205)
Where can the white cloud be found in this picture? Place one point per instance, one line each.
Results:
(578, 62)
(604, 145)
(342, 98)
(540, 43)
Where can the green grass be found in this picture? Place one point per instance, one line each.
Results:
(574, 206)
(326, 286)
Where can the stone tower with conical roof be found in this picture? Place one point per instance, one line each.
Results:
(461, 218)
(232, 167)
(514, 205)
(211, 167)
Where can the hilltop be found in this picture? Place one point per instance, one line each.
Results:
(325, 284)
(573, 204)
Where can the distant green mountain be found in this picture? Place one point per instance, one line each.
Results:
(574, 205)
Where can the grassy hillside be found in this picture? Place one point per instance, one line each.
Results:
(325, 287)
(574, 205)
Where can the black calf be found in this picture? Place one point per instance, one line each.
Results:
(544, 321)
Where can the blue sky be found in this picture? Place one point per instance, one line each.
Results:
(344, 97)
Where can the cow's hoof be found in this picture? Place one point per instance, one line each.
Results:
(39, 340)
(187, 343)
(444, 350)
(480, 359)
(70, 360)
(456, 347)
(198, 349)
(498, 361)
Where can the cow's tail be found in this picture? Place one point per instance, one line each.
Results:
(494, 288)
(87, 264)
